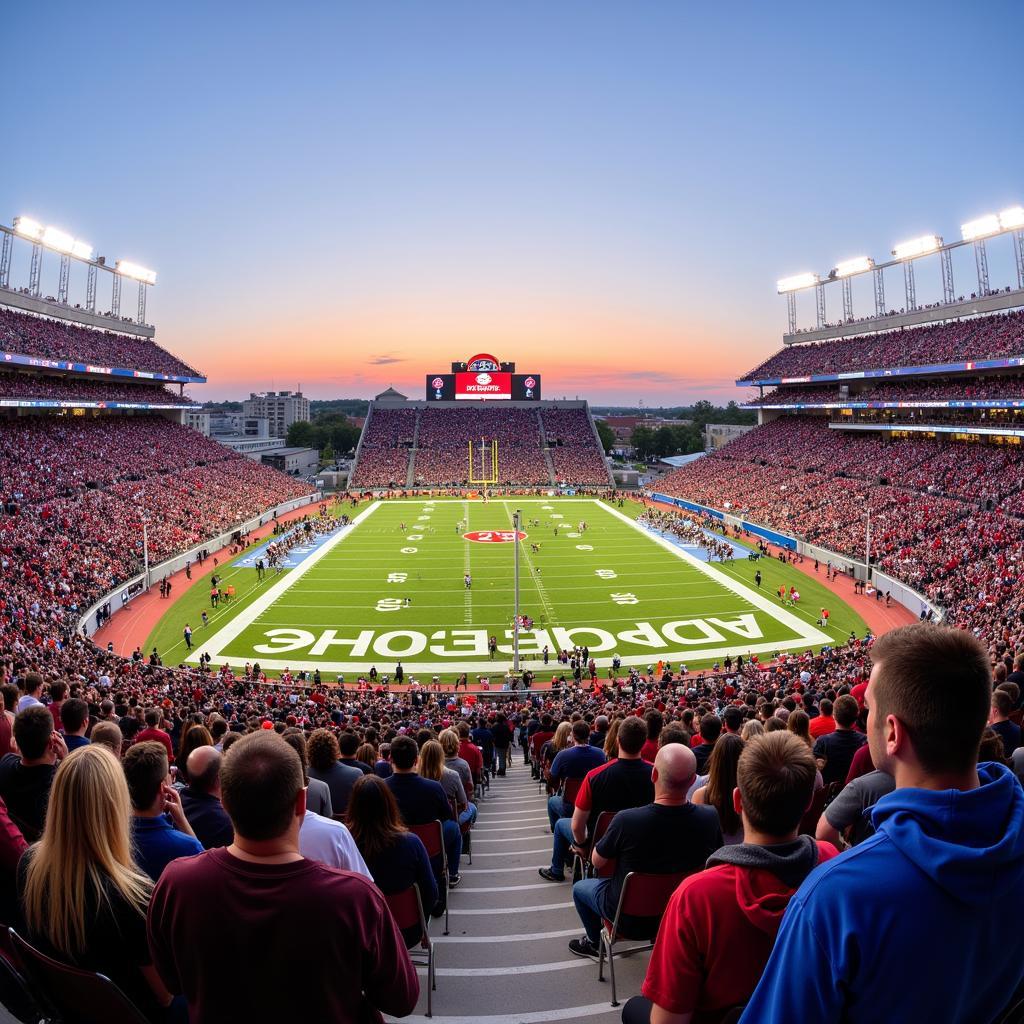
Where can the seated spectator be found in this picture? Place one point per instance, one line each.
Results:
(834, 751)
(58, 694)
(322, 750)
(160, 831)
(382, 766)
(665, 837)
(999, 720)
(614, 786)
(449, 740)
(83, 899)
(348, 745)
(718, 790)
(271, 894)
(32, 691)
(470, 752)
(154, 732)
(200, 799)
(655, 723)
(422, 801)
(572, 763)
(26, 777)
(710, 730)
(720, 923)
(108, 735)
(192, 738)
(845, 819)
(949, 843)
(823, 723)
(395, 857)
(12, 846)
(75, 719)
(318, 794)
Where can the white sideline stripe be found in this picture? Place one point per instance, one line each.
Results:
(510, 888)
(498, 911)
(515, 853)
(536, 1017)
(491, 972)
(248, 615)
(564, 933)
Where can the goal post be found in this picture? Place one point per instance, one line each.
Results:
(483, 462)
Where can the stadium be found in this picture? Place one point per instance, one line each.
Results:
(451, 705)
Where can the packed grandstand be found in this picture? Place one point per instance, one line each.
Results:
(403, 787)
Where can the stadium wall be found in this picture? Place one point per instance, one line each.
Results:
(30, 304)
(121, 596)
(911, 599)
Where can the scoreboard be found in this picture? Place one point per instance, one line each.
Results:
(483, 378)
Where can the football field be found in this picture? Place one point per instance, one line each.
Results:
(392, 586)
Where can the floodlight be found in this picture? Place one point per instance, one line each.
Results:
(982, 227)
(83, 250)
(1012, 218)
(797, 281)
(857, 265)
(917, 247)
(54, 238)
(128, 269)
(28, 227)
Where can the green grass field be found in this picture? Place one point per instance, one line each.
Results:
(392, 587)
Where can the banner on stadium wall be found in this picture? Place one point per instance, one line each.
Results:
(115, 371)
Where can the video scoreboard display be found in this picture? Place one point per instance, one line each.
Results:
(483, 378)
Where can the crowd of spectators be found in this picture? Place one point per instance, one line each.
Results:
(72, 388)
(964, 388)
(575, 452)
(385, 448)
(988, 337)
(28, 335)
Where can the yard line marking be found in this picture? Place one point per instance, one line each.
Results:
(538, 582)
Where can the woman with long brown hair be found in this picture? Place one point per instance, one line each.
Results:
(721, 782)
(83, 899)
(395, 856)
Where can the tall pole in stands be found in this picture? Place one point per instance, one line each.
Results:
(867, 550)
(515, 620)
(145, 551)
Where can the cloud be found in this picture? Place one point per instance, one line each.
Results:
(386, 360)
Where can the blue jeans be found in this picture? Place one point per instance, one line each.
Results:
(452, 844)
(588, 895)
(468, 815)
(560, 848)
(557, 808)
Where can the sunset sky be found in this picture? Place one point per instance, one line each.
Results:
(351, 195)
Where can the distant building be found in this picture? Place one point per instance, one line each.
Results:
(293, 461)
(254, 447)
(236, 424)
(718, 434)
(197, 420)
(281, 409)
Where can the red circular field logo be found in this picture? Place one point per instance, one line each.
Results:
(493, 536)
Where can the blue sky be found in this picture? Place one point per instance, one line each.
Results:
(349, 195)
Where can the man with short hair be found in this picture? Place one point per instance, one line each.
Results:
(710, 730)
(834, 751)
(999, 721)
(617, 784)
(946, 861)
(667, 836)
(75, 719)
(600, 733)
(271, 894)
(26, 777)
(719, 926)
(823, 723)
(572, 763)
(422, 801)
(160, 831)
(32, 691)
(153, 732)
(200, 799)
(348, 744)
(732, 719)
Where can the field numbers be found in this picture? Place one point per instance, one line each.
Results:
(584, 547)
(604, 574)
(625, 599)
(573, 535)
(409, 551)
(389, 604)
(397, 577)
(415, 536)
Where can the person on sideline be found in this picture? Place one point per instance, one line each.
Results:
(946, 861)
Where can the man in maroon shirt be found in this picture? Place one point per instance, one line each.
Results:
(153, 732)
(227, 925)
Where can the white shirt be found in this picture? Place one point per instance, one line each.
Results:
(27, 701)
(331, 843)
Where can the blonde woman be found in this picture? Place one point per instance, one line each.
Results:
(549, 749)
(751, 728)
(431, 766)
(83, 900)
(611, 740)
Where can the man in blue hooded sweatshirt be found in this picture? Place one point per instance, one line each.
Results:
(920, 921)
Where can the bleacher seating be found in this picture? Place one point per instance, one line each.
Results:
(84, 389)
(574, 453)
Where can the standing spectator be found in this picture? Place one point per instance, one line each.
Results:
(721, 784)
(322, 750)
(154, 732)
(26, 777)
(834, 751)
(502, 737)
(999, 720)
(949, 843)
(823, 723)
(710, 730)
(75, 716)
(271, 894)
(32, 687)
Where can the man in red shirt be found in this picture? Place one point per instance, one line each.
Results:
(470, 752)
(823, 723)
(225, 921)
(153, 732)
(720, 925)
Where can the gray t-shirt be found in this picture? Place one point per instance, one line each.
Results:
(1017, 757)
(854, 799)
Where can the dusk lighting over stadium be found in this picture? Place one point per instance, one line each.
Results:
(512, 513)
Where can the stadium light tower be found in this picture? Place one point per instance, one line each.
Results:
(1013, 220)
(977, 231)
(125, 268)
(789, 286)
(907, 252)
(845, 271)
(32, 230)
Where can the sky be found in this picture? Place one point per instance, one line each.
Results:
(345, 196)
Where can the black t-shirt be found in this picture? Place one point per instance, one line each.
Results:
(1009, 733)
(703, 754)
(26, 791)
(620, 785)
(838, 749)
(658, 839)
(116, 943)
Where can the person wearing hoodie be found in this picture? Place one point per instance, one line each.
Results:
(718, 929)
(919, 921)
